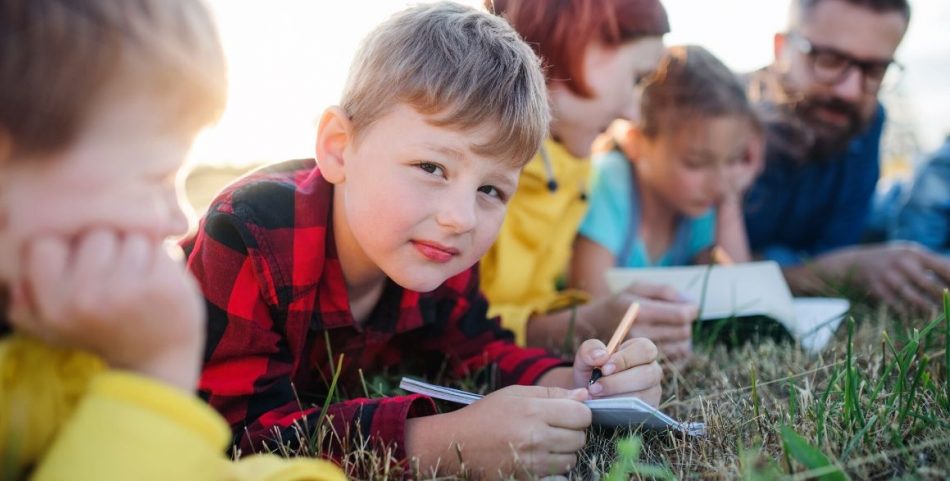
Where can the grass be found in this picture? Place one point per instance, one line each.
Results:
(875, 404)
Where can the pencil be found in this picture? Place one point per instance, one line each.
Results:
(721, 257)
(619, 335)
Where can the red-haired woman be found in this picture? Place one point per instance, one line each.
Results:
(594, 52)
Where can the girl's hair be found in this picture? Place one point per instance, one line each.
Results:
(559, 31)
(691, 82)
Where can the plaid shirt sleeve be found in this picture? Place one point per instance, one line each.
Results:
(473, 343)
(250, 358)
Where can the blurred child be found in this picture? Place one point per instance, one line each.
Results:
(594, 51)
(99, 103)
(368, 254)
(672, 188)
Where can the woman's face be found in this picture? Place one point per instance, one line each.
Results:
(612, 74)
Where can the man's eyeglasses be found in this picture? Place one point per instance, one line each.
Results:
(830, 66)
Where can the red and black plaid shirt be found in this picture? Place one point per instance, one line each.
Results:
(267, 264)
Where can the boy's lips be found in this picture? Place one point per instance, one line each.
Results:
(434, 251)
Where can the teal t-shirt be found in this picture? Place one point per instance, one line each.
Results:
(613, 218)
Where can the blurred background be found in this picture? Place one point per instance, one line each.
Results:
(288, 60)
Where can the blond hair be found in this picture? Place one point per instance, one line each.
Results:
(465, 67)
(60, 59)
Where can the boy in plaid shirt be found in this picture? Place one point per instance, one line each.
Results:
(370, 251)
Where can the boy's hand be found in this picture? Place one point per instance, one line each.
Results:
(119, 296)
(527, 431)
(631, 371)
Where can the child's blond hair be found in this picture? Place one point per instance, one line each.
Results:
(61, 59)
(464, 67)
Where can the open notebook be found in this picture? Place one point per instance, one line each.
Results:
(622, 411)
(743, 290)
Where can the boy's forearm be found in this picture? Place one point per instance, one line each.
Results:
(430, 442)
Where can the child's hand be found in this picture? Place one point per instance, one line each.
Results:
(744, 172)
(527, 431)
(631, 371)
(665, 317)
(121, 297)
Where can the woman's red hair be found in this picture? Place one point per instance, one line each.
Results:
(559, 31)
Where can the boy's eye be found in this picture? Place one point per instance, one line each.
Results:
(431, 168)
(492, 191)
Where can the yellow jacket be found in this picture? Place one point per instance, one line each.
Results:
(63, 413)
(519, 275)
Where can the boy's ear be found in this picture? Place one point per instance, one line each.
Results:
(334, 135)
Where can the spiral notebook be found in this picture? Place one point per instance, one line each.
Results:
(609, 412)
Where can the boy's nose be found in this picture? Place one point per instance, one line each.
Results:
(458, 213)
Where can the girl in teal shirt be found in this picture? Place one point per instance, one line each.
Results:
(671, 188)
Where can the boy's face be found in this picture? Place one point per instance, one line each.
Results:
(418, 203)
(611, 73)
(118, 174)
(695, 165)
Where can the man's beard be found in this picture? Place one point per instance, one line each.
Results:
(793, 125)
(825, 139)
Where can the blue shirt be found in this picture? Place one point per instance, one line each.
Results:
(613, 218)
(794, 211)
(924, 216)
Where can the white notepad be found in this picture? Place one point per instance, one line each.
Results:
(747, 289)
(623, 411)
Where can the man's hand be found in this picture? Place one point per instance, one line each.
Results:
(903, 275)
(119, 296)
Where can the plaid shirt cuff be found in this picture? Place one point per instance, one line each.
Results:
(389, 416)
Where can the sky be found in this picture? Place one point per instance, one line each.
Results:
(288, 61)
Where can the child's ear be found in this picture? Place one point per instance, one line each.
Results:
(334, 135)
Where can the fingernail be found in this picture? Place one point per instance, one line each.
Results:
(596, 388)
(608, 369)
(599, 353)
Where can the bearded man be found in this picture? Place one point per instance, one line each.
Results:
(819, 99)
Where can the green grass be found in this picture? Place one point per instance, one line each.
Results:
(875, 404)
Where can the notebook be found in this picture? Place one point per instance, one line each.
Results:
(612, 412)
(744, 290)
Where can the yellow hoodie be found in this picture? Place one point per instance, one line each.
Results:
(69, 418)
(519, 275)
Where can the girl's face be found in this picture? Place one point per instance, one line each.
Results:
(611, 73)
(692, 166)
